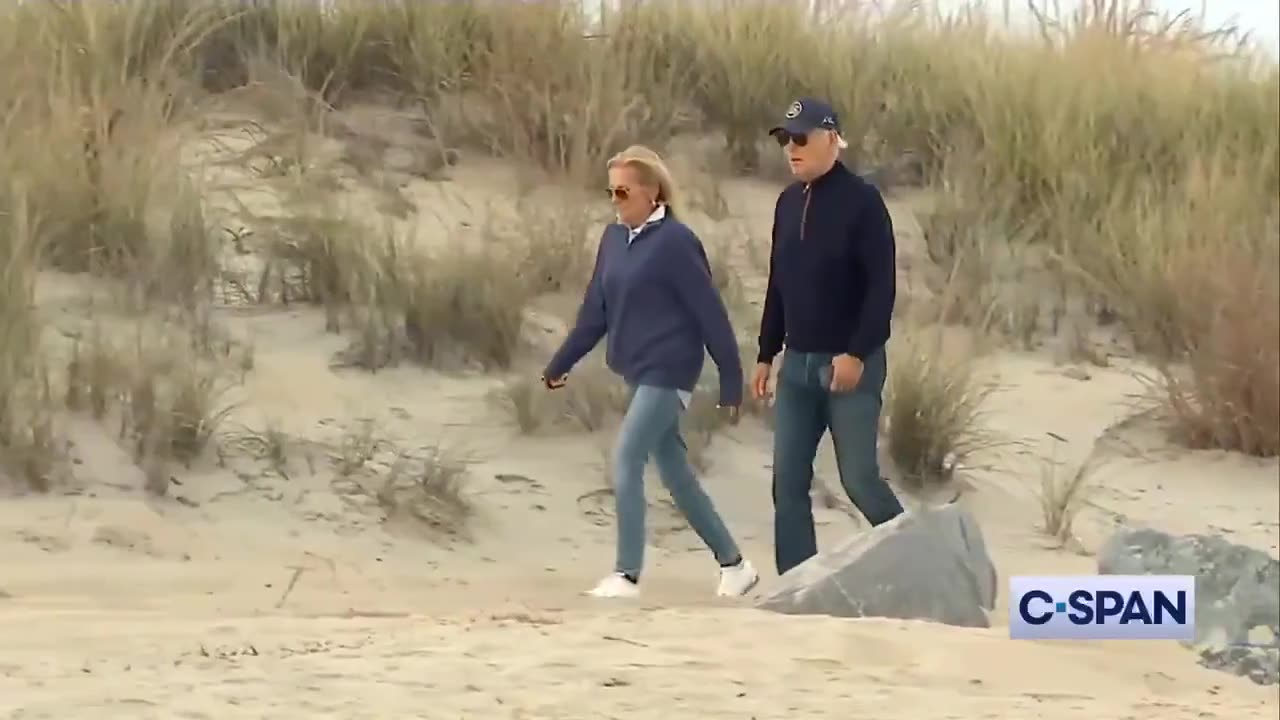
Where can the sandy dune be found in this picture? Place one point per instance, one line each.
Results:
(287, 593)
(587, 664)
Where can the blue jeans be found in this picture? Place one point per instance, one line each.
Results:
(805, 408)
(652, 427)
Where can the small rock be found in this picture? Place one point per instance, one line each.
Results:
(1077, 373)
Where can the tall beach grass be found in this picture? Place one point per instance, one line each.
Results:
(1140, 154)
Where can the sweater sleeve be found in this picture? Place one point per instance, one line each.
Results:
(876, 254)
(691, 274)
(772, 326)
(590, 326)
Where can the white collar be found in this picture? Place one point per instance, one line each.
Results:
(658, 213)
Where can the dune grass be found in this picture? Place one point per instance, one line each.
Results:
(934, 406)
(1141, 154)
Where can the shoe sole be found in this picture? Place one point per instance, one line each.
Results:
(750, 586)
(589, 593)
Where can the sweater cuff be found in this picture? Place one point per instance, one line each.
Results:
(859, 350)
(554, 369)
(731, 395)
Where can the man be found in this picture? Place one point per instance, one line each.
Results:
(830, 297)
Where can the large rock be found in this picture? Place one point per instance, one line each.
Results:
(1237, 587)
(1237, 594)
(927, 565)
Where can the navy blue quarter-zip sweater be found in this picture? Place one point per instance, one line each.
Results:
(655, 299)
(832, 270)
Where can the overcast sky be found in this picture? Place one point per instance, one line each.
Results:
(1260, 17)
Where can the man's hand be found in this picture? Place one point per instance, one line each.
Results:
(846, 371)
(760, 380)
(555, 383)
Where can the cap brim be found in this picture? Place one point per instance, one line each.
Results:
(795, 127)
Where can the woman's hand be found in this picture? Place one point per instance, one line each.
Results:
(731, 413)
(555, 383)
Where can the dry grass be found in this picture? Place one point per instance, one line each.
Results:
(592, 400)
(1062, 496)
(1201, 282)
(424, 486)
(933, 410)
(1127, 151)
(165, 388)
(429, 488)
(24, 405)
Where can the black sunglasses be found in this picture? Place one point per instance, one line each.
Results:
(783, 137)
(618, 193)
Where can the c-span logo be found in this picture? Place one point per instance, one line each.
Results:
(1103, 607)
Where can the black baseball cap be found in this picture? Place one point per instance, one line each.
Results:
(805, 115)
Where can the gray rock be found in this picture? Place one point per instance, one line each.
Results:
(927, 565)
(1237, 593)
(1259, 663)
(1237, 587)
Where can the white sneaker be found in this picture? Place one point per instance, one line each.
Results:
(615, 586)
(738, 580)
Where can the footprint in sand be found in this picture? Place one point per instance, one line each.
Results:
(47, 543)
(521, 483)
(126, 539)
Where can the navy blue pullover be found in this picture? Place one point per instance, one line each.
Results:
(832, 271)
(656, 301)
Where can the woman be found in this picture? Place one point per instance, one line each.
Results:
(651, 293)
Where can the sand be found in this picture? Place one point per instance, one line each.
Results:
(255, 593)
(657, 663)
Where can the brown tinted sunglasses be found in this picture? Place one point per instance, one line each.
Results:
(618, 193)
(783, 137)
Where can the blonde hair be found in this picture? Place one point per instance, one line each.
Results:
(653, 172)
